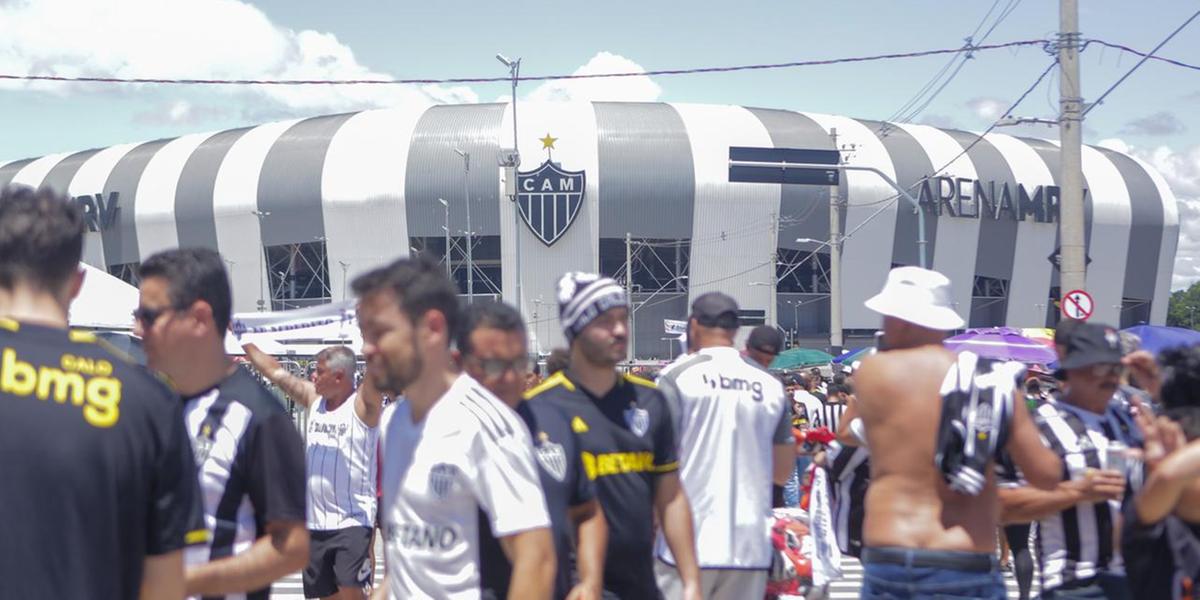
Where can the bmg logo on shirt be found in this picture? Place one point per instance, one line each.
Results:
(736, 384)
(423, 536)
(98, 393)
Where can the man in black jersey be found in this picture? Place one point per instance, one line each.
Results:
(250, 457)
(492, 349)
(99, 490)
(626, 437)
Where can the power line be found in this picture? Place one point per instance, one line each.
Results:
(1151, 56)
(458, 80)
(1145, 58)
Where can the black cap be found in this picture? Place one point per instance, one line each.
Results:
(1090, 344)
(714, 309)
(766, 339)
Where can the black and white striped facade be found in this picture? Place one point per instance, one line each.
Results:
(368, 183)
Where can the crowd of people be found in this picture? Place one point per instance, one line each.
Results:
(187, 478)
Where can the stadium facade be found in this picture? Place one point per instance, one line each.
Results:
(299, 207)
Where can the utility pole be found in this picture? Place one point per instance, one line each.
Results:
(512, 169)
(835, 261)
(466, 156)
(446, 228)
(1073, 273)
(774, 276)
(629, 294)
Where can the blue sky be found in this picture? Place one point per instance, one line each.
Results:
(1155, 114)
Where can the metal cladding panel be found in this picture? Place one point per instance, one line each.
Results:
(1029, 287)
(803, 209)
(194, 220)
(997, 237)
(912, 165)
(290, 184)
(996, 246)
(435, 171)
(89, 180)
(33, 173)
(574, 124)
(235, 198)
(649, 330)
(363, 191)
(1109, 226)
(735, 224)
(954, 255)
(867, 252)
(120, 242)
(59, 177)
(10, 170)
(155, 216)
(1167, 250)
(645, 171)
(1052, 158)
(1146, 226)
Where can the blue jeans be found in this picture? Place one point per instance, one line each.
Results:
(1104, 585)
(792, 489)
(885, 581)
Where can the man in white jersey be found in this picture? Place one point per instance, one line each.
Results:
(249, 457)
(340, 454)
(450, 449)
(735, 440)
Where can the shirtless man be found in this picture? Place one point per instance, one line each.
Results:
(921, 537)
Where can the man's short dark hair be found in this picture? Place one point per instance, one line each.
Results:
(1181, 387)
(558, 360)
(193, 274)
(492, 315)
(1062, 333)
(41, 237)
(419, 284)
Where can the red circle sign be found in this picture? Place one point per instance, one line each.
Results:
(1078, 304)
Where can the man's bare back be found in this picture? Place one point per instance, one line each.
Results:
(909, 504)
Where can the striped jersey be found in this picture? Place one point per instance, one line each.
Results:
(251, 463)
(1081, 542)
(849, 476)
(340, 454)
(471, 452)
(731, 413)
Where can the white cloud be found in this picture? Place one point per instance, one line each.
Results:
(988, 109)
(210, 39)
(1182, 173)
(636, 88)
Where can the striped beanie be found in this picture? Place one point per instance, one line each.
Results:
(584, 296)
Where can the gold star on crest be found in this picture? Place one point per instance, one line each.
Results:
(548, 142)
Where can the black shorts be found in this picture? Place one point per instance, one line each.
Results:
(339, 558)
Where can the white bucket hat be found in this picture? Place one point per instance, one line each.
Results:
(919, 296)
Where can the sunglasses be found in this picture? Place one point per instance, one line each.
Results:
(149, 316)
(494, 367)
(1108, 370)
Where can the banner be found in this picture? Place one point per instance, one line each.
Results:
(827, 558)
(673, 327)
(292, 320)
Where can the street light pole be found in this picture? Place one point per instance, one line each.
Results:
(514, 71)
(262, 264)
(446, 209)
(466, 156)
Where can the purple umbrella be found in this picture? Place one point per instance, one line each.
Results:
(1001, 343)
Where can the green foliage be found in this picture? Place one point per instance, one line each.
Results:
(1184, 307)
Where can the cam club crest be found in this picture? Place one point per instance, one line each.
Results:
(551, 457)
(638, 420)
(441, 478)
(549, 197)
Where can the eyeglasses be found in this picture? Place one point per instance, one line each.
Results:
(1108, 370)
(149, 316)
(494, 367)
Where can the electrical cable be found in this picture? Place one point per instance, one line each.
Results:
(460, 80)
(1145, 58)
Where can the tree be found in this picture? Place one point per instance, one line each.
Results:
(1184, 308)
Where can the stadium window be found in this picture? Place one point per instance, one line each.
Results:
(298, 275)
(127, 272)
